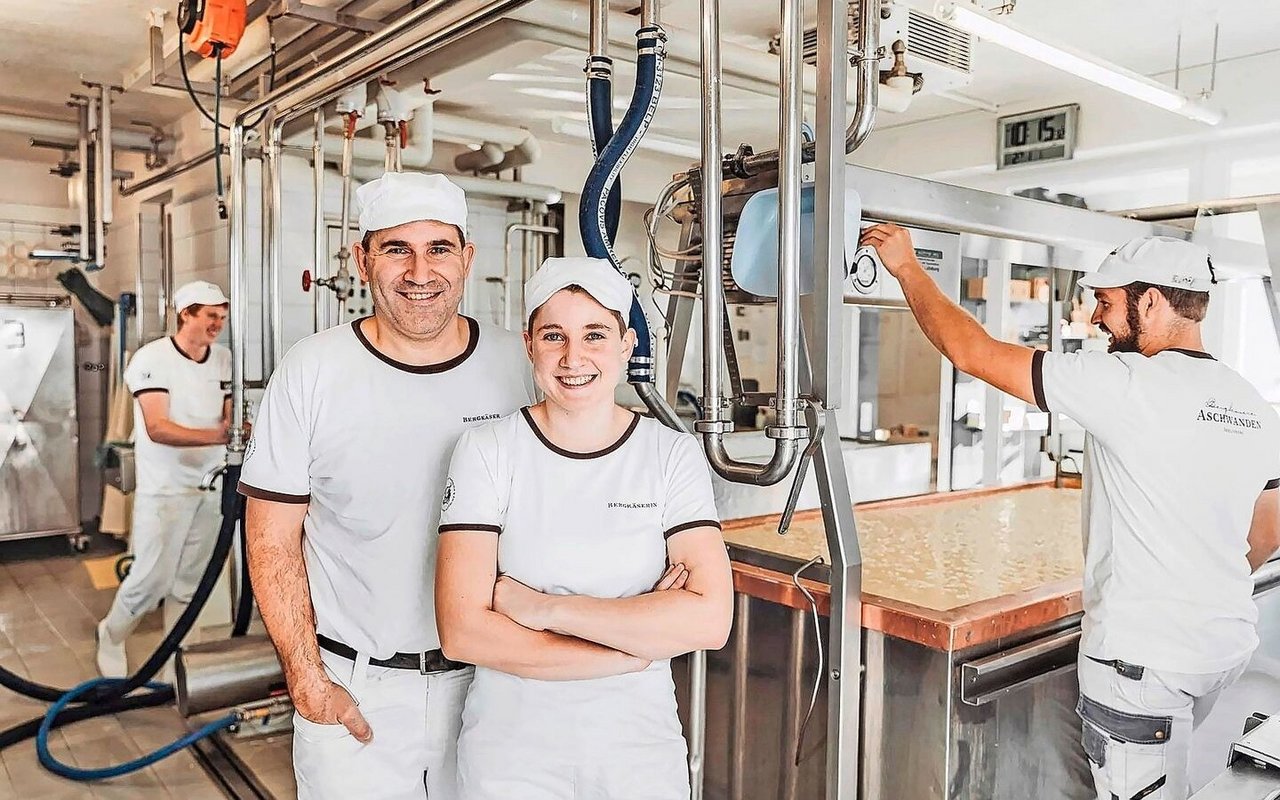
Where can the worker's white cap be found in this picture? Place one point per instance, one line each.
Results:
(198, 292)
(400, 197)
(1157, 260)
(595, 275)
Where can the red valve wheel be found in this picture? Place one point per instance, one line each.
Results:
(306, 280)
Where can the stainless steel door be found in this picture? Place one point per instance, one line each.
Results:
(38, 437)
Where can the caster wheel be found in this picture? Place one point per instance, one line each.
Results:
(80, 544)
(123, 565)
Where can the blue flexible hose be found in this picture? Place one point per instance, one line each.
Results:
(600, 119)
(593, 211)
(77, 774)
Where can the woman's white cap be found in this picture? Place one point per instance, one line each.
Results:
(400, 197)
(595, 275)
(1157, 260)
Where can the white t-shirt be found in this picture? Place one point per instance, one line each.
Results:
(1179, 448)
(592, 524)
(196, 399)
(365, 441)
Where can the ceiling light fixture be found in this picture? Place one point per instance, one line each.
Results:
(999, 32)
(651, 141)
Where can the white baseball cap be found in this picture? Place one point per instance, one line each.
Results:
(595, 275)
(198, 292)
(1157, 260)
(400, 197)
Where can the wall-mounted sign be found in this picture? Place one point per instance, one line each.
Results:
(1037, 136)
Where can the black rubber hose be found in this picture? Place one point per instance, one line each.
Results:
(28, 729)
(231, 505)
(244, 602)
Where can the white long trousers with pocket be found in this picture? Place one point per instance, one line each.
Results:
(414, 751)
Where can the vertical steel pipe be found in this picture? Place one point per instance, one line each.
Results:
(82, 177)
(741, 663)
(239, 316)
(272, 341)
(793, 701)
(320, 244)
(864, 117)
(713, 424)
(105, 155)
(598, 37)
(697, 723)
(713, 311)
(790, 110)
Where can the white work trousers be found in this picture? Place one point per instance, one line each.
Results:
(1137, 731)
(413, 755)
(172, 538)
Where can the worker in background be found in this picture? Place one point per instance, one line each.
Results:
(182, 417)
(1181, 503)
(580, 551)
(344, 479)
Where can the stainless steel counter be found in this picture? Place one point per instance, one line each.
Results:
(974, 701)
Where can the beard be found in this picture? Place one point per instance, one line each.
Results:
(1126, 341)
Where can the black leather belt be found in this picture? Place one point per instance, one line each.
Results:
(428, 662)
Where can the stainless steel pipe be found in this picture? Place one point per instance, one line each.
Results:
(171, 172)
(697, 723)
(82, 176)
(793, 702)
(868, 79)
(272, 307)
(598, 37)
(506, 265)
(434, 24)
(864, 115)
(105, 156)
(738, 696)
(713, 424)
(320, 242)
(790, 110)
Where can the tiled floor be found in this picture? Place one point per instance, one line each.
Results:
(48, 610)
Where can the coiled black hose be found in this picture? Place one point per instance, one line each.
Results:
(111, 698)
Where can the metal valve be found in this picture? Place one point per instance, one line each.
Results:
(341, 284)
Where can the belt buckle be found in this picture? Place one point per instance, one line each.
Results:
(422, 663)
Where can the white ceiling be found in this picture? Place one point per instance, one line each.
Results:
(47, 47)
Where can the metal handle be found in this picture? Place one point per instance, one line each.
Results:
(990, 678)
(816, 429)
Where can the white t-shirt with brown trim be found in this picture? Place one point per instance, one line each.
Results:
(1179, 448)
(196, 399)
(365, 441)
(592, 524)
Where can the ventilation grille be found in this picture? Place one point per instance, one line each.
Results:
(929, 39)
(939, 42)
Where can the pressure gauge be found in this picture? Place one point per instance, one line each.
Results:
(866, 270)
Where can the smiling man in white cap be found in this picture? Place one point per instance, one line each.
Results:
(344, 478)
(181, 416)
(1182, 466)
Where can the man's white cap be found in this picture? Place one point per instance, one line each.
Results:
(1157, 260)
(400, 197)
(202, 292)
(596, 275)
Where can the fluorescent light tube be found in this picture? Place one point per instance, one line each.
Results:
(651, 141)
(1082, 65)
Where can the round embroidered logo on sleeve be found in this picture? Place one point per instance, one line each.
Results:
(448, 495)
